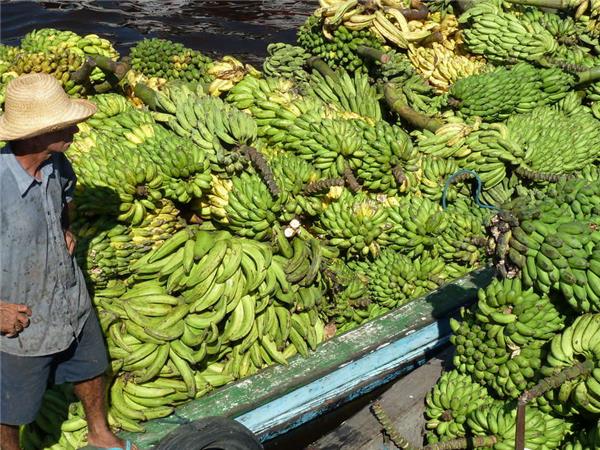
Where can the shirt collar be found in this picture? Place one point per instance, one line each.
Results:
(23, 179)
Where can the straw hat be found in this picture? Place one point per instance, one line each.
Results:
(36, 104)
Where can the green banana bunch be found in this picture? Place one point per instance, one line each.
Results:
(415, 92)
(107, 249)
(59, 64)
(46, 429)
(420, 226)
(333, 146)
(170, 60)
(295, 176)
(497, 94)
(286, 61)
(340, 49)
(542, 431)
(501, 35)
(249, 208)
(117, 182)
(581, 196)
(578, 344)
(449, 403)
(49, 39)
(350, 302)
(584, 440)
(515, 317)
(397, 68)
(553, 252)
(394, 278)
(350, 94)
(353, 223)
(391, 163)
(109, 105)
(551, 143)
(184, 165)
(507, 370)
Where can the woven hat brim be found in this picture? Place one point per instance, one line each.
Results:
(79, 110)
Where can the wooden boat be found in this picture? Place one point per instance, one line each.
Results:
(281, 398)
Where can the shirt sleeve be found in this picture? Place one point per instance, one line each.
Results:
(68, 179)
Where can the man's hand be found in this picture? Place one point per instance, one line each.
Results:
(14, 318)
(70, 241)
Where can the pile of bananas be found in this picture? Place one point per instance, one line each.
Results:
(51, 40)
(170, 60)
(338, 48)
(501, 35)
(551, 249)
(454, 397)
(354, 223)
(287, 61)
(382, 18)
(552, 143)
(230, 219)
(498, 94)
(107, 249)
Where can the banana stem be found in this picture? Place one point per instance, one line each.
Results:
(589, 76)
(373, 54)
(554, 381)
(389, 428)
(464, 443)
(108, 65)
(413, 117)
(554, 4)
(416, 14)
(145, 94)
(262, 167)
(83, 73)
(322, 67)
(323, 185)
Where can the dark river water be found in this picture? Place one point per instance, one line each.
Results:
(238, 27)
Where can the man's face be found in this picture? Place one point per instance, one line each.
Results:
(59, 141)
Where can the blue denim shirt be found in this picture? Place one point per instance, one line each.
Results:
(35, 266)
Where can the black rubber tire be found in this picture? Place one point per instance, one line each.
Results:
(211, 433)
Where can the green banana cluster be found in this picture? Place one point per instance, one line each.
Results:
(351, 303)
(59, 64)
(216, 127)
(584, 440)
(502, 92)
(474, 146)
(340, 50)
(247, 208)
(298, 181)
(501, 35)
(542, 431)
(286, 61)
(354, 223)
(578, 343)
(205, 308)
(107, 249)
(394, 279)
(555, 253)
(117, 182)
(51, 39)
(390, 163)
(549, 141)
(170, 60)
(53, 48)
(420, 226)
(506, 370)
(449, 403)
(351, 94)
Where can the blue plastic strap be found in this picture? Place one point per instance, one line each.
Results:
(477, 190)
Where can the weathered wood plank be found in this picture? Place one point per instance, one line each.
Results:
(402, 401)
(246, 397)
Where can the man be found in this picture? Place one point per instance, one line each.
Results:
(49, 331)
